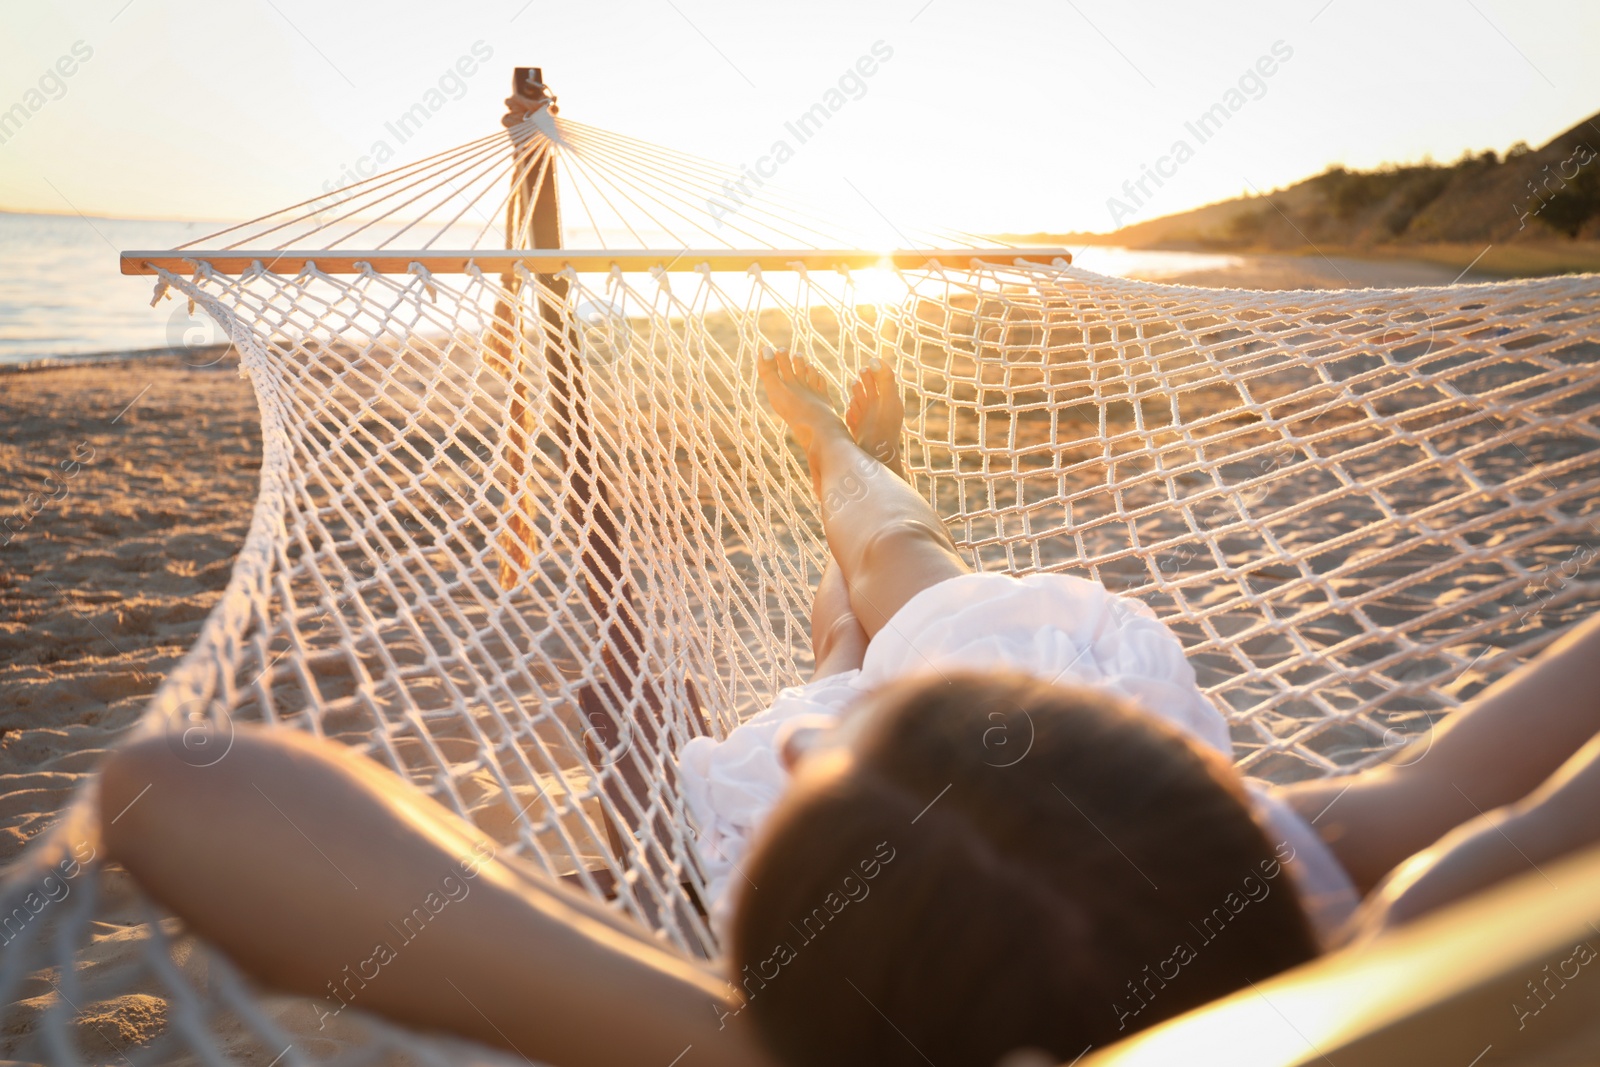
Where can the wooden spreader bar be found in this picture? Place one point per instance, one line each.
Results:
(584, 261)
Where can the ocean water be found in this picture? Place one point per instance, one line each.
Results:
(62, 294)
(1149, 264)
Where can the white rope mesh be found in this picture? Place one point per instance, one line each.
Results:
(520, 536)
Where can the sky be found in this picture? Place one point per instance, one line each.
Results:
(1006, 116)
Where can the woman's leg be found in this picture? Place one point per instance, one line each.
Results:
(889, 544)
(837, 640)
(323, 874)
(875, 416)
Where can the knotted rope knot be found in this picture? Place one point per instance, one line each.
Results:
(424, 275)
(541, 93)
(202, 271)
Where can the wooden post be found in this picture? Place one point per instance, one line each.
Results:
(531, 170)
(624, 769)
(539, 207)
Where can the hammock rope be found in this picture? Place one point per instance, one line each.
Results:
(521, 534)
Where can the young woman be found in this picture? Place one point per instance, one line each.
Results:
(1000, 817)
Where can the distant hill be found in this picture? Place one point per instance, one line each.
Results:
(1546, 196)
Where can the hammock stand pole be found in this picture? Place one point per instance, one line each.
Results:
(617, 755)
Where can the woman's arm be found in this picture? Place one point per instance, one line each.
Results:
(1560, 817)
(322, 874)
(1493, 752)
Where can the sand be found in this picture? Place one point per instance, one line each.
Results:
(126, 492)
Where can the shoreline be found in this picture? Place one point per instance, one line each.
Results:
(197, 356)
(1491, 261)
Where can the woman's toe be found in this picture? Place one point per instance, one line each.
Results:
(817, 381)
(882, 376)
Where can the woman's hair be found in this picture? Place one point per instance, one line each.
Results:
(1001, 863)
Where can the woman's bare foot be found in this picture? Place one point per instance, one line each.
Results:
(876, 414)
(799, 395)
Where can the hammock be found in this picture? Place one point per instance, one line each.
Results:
(525, 525)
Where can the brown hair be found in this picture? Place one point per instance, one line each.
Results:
(999, 864)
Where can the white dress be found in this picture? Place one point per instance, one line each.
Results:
(1057, 627)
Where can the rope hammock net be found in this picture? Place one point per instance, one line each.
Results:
(525, 527)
